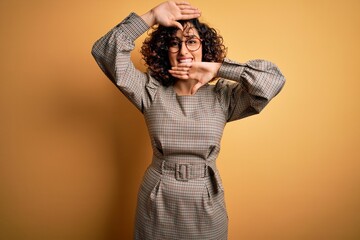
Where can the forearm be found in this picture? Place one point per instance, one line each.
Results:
(117, 44)
(149, 18)
(259, 77)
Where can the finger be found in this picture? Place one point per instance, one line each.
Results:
(175, 69)
(182, 3)
(180, 76)
(190, 11)
(188, 8)
(190, 16)
(177, 24)
(180, 69)
(178, 72)
(183, 65)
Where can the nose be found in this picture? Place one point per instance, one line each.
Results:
(183, 49)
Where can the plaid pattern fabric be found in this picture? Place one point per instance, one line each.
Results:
(176, 202)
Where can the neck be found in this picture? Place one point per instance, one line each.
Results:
(183, 87)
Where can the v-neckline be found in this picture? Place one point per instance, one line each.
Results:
(186, 96)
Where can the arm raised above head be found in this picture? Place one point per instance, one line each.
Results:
(112, 54)
(168, 13)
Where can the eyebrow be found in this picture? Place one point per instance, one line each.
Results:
(186, 36)
(190, 36)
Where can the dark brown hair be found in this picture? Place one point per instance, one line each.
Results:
(155, 49)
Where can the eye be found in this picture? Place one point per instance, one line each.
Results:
(174, 43)
(192, 41)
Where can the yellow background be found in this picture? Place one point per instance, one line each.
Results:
(73, 150)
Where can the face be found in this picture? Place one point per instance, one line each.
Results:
(189, 36)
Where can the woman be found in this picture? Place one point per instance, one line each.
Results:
(181, 196)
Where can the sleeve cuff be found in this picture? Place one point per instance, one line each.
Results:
(230, 69)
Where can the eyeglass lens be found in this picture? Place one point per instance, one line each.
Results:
(192, 44)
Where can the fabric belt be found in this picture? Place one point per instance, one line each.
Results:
(181, 171)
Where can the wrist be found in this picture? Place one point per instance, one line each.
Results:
(217, 68)
(149, 18)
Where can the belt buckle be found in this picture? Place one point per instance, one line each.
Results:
(182, 172)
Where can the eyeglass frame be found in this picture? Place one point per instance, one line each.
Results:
(180, 43)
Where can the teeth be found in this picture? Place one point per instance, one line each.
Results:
(185, 60)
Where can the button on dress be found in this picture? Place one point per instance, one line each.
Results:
(181, 195)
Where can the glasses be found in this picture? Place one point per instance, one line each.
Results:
(192, 44)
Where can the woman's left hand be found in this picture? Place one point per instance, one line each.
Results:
(202, 72)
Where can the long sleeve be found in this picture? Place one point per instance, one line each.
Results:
(254, 84)
(112, 53)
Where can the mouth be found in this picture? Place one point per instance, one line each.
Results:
(185, 60)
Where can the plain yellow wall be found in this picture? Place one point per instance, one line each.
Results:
(73, 150)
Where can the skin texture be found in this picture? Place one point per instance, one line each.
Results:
(190, 75)
(181, 70)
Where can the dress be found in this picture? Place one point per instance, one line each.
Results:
(181, 195)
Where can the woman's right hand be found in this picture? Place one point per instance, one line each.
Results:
(168, 13)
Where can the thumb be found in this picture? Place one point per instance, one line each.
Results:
(177, 24)
(196, 87)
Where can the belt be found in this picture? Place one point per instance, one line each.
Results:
(181, 171)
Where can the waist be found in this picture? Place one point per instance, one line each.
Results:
(183, 170)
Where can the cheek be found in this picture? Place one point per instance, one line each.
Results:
(172, 59)
(198, 55)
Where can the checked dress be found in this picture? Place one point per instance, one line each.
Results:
(181, 195)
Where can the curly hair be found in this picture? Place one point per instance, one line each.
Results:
(155, 49)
